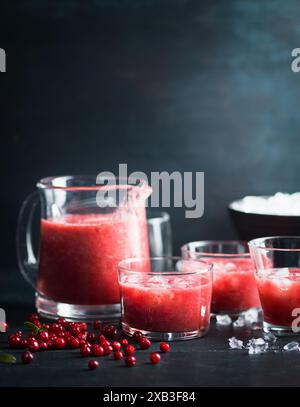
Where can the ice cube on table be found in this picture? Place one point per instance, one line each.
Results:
(256, 350)
(239, 323)
(291, 346)
(235, 343)
(259, 341)
(223, 320)
(251, 316)
(257, 346)
(269, 337)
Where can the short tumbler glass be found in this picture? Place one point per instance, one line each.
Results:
(277, 262)
(234, 285)
(166, 298)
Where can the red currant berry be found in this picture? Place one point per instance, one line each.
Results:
(47, 326)
(91, 337)
(83, 327)
(118, 355)
(93, 364)
(61, 321)
(27, 357)
(75, 330)
(124, 343)
(15, 341)
(23, 343)
(32, 317)
(37, 323)
(108, 350)
(164, 347)
(74, 343)
(85, 351)
(129, 350)
(19, 334)
(109, 331)
(81, 335)
(137, 336)
(130, 361)
(33, 345)
(83, 343)
(97, 350)
(43, 336)
(116, 345)
(104, 342)
(43, 346)
(154, 358)
(97, 325)
(145, 343)
(59, 343)
(57, 329)
(68, 338)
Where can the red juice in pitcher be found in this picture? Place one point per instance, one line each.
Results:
(79, 255)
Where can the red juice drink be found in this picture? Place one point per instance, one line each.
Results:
(174, 303)
(234, 286)
(79, 255)
(279, 291)
(277, 260)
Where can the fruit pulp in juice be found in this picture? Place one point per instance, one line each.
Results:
(166, 303)
(279, 291)
(79, 255)
(234, 286)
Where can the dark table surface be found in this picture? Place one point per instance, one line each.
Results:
(207, 361)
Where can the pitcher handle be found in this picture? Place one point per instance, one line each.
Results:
(27, 261)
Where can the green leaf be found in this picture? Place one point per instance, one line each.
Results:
(7, 358)
(32, 327)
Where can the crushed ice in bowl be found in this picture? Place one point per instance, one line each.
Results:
(279, 204)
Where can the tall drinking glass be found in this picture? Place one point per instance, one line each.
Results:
(160, 233)
(85, 230)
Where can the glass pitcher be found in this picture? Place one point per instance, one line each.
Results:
(86, 229)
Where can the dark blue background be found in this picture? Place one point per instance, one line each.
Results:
(160, 85)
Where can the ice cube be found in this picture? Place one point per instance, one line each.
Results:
(223, 320)
(259, 341)
(269, 337)
(257, 346)
(256, 350)
(240, 322)
(291, 346)
(282, 273)
(251, 316)
(235, 343)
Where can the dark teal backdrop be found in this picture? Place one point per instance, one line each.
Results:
(160, 85)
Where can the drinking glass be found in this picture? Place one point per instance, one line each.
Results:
(277, 262)
(234, 285)
(86, 228)
(166, 298)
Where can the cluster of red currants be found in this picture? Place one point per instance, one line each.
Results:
(63, 334)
